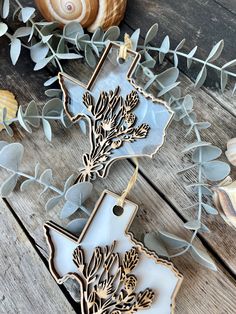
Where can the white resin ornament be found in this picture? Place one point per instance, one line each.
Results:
(124, 120)
(116, 273)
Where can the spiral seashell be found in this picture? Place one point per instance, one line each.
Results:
(225, 201)
(110, 12)
(89, 13)
(231, 151)
(7, 100)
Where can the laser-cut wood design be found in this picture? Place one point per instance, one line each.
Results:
(112, 123)
(124, 121)
(107, 282)
(117, 274)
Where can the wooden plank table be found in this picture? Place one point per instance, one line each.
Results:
(26, 284)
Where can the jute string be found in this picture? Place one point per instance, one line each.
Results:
(130, 185)
(123, 53)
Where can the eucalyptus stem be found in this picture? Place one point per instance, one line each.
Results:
(40, 33)
(199, 214)
(185, 55)
(51, 187)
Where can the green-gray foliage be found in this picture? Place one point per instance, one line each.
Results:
(32, 116)
(49, 44)
(73, 195)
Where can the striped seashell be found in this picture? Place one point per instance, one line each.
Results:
(231, 151)
(89, 13)
(7, 100)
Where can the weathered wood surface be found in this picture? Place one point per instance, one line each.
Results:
(26, 286)
(202, 23)
(159, 191)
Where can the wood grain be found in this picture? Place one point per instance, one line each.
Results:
(26, 286)
(159, 191)
(202, 23)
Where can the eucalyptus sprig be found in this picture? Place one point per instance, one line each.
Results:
(73, 195)
(32, 116)
(50, 45)
(207, 169)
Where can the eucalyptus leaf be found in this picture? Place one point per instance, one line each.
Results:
(229, 64)
(208, 153)
(5, 8)
(68, 56)
(76, 226)
(53, 202)
(26, 184)
(151, 34)
(3, 29)
(42, 63)
(23, 31)
(31, 114)
(201, 77)
(172, 241)
(193, 224)
(216, 51)
(39, 52)
(202, 258)
(22, 121)
(27, 13)
(53, 92)
(51, 81)
(195, 145)
(209, 209)
(180, 45)
(45, 39)
(68, 209)
(52, 108)
(154, 243)
(223, 80)
(190, 56)
(8, 129)
(8, 186)
(78, 193)
(47, 129)
(112, 34)
(46, 177)
(97, 35)
(11, 156)
(216, 170)
(89, 56)
(165, 46)
(72, 29)
(15, 50)
(168, 77)
(167, 89)
(3, 144)
(135, 38)
(69, 182)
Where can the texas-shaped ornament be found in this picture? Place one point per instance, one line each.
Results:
(124, 120)
(116, 273)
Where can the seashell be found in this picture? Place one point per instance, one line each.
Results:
(89, 13)
(225, 201)
(7, 100)
(231, 151)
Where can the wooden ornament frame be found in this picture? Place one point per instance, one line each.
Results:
(130, 236)
(100, 165)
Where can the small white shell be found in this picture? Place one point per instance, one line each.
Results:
(7, 100)
(225, 201)
(231, 151)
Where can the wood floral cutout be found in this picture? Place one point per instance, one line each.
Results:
(112, 125)
(107, 292)
(116, 273)
(124, 121)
